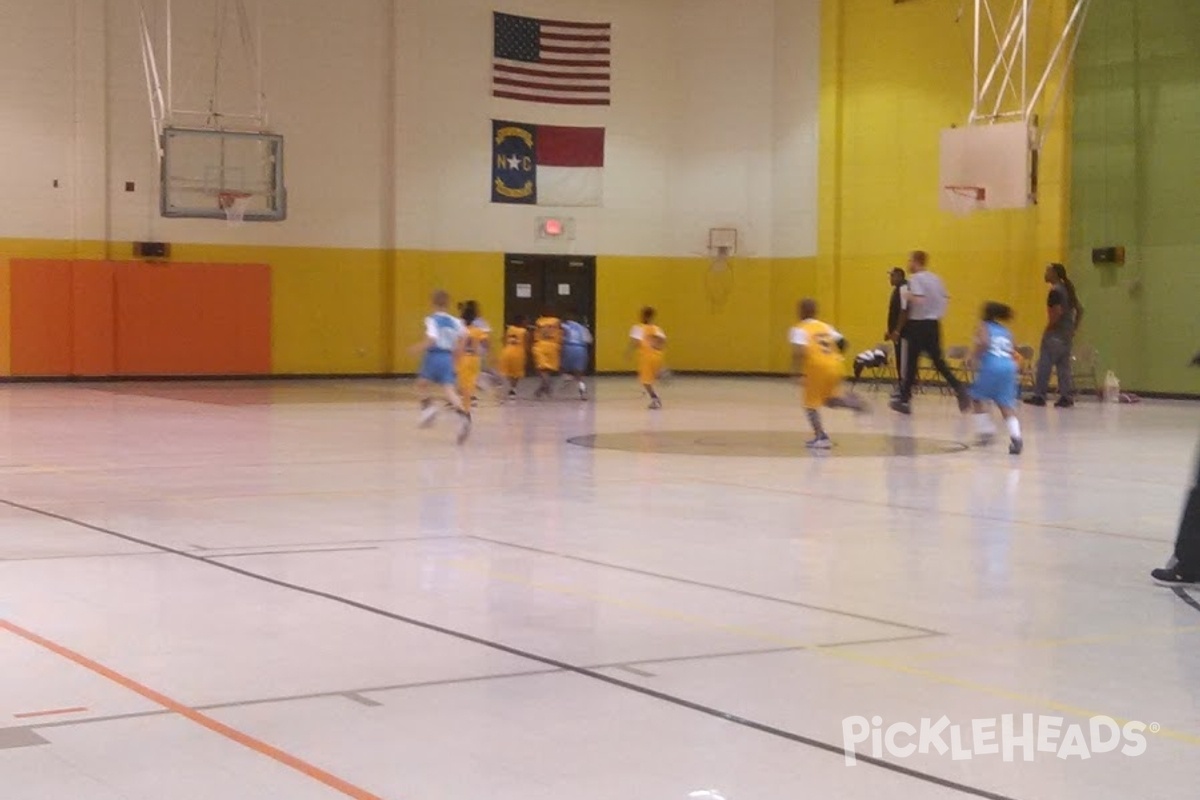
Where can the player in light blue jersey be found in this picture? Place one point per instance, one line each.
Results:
(996, 376)
(443, 344)
(576, 339)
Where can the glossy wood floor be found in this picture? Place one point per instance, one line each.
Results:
(219, 591)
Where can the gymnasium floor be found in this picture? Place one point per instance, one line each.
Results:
(234, 591)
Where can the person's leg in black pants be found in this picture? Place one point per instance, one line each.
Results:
(924, 337)
(934, 351)
(1184, 567)
(907, 357)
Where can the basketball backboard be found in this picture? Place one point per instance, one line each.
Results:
(998, 159)
(201, 166)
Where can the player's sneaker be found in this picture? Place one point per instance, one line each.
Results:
(858, 404)
(1035, 400)
(429, 413)
(1015, 447)
(1170, 576)
(464, 429)
(1065, 402)
(822, 442)
(655, 404)
(900, 406)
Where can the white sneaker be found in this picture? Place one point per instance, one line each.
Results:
(822, 442)
(465, 429)
(428, 415)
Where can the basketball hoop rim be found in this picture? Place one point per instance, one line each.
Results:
(226, 199)
(976, 193)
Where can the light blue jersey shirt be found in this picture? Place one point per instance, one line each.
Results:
(575, 334)
(445, 330)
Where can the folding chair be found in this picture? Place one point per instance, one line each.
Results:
(1025, 374)
(1085, 369)
(888, 371)
(958, 357)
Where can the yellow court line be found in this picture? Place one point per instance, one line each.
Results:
(839, 654)
(1046, 644)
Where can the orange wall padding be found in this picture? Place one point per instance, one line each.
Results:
(193, 319)
(41, 317)
(96, 318)
(94, 347)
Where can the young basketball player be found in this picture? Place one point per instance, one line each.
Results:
(576, 338)
(648, 341)
(514, 354)
(443, 344)
(996, 376)
(817, 354)
(475, 352)
(547, 349)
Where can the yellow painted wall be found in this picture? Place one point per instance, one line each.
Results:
(893, 76)
(327, 304)
(358, 311)
(732, 320)
(466, 276)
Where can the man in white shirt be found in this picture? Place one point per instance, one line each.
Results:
(920, 332)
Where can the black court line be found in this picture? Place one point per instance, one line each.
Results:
(769, 651)
(1185, 597)
(629, 666)
(558, 664)
(703, 585)
(292, 698)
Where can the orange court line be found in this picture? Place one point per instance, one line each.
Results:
(49, 712)
(258, 746)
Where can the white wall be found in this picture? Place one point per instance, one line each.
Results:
(713, 124)
(47, 80)
(326, 80)
(386, 111)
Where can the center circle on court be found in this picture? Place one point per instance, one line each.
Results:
(766, 444)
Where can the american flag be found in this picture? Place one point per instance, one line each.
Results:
(548, 61)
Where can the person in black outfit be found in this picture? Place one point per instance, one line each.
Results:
(1184, 567)
(896, 307)
(921, 323)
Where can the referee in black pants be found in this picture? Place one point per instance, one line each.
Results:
(1184, 567)
(920, 332)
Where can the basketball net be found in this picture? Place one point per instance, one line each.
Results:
(719, 279)
(234, 204)
(720, 260)
(962, 201)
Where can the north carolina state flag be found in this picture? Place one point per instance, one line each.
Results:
(547, 165)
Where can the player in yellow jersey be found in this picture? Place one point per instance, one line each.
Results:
(648, 341)
(514, 356)
(547, 349)
(817, 354)
(475, 352)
